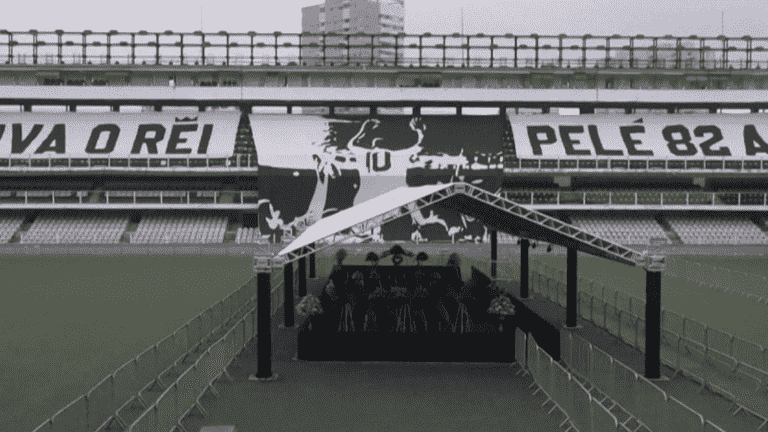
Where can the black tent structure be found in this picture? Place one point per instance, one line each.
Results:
(495, 212)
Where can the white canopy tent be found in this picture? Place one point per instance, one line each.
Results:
(362, 212)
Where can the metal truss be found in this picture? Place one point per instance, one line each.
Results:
(623, 253)
(620, 252)
(374, 222)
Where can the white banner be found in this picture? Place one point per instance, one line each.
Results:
(118, 135)
(730, 137)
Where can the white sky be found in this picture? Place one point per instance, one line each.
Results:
(573, 17)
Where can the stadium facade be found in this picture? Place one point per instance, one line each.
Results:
(630, 168)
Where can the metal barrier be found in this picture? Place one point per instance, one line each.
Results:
(619, 314)
(123, 389)
(184, 395)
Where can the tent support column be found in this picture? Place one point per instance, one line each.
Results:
(524, 244)
(652, 324)
(494, 252)
(263, 266)
(288, 291)
(572, 295)
(312, 262)
(302, 277)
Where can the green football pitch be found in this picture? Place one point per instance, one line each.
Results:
(743, 318)
(69, 321)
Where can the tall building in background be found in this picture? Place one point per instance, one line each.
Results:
(346, 17)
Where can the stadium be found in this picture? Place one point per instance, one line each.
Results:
(616, 197)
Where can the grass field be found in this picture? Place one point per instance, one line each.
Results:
(66, 322)
(69, 321)
(733, 314)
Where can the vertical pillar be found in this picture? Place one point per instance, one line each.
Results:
(713, 110)
(263, 325)
(312, 263)
(288, 291)
(201, 108)
(416, 111)
(158, 108)
(545, 110)
(302, 277)
(524, 245)
(587, 110)
(572, 296)
(458, 110)
(653, 324)
(629, 110)
(494, 252)
(754, 110)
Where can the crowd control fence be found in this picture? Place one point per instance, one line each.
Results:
(101, 407)
(656, 410)
(623, 316)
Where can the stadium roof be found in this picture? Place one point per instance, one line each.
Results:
(493, 211)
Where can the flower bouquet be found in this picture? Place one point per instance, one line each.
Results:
(502, 307)
(309, 305)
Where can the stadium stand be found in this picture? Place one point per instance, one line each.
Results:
(244, 141)
(8, 227)
(250, 235)
(76, 229)
(180, 229)
(717, 229)
(624, 229)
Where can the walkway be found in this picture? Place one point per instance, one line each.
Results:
(713, 406)
(347, 396)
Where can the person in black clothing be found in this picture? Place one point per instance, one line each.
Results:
(419, 297)
(377, 317)
(357, 297)
(440, 306)
(454, 263)
(373, 281)
(329, 301)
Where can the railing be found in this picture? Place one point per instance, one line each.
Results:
(623, 316)
(39, 237)
(129, 385)
(184, 395)
(634, 165)
(635, 394)
(169, 238)
(103, 404)
(732, 199)
(245, 162)
(128, 197)
(386, 50)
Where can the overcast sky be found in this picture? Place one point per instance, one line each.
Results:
(573, 17)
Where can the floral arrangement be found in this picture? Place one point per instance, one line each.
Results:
(309, 305)
(501, 305)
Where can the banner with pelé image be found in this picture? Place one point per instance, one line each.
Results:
(312, 166)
